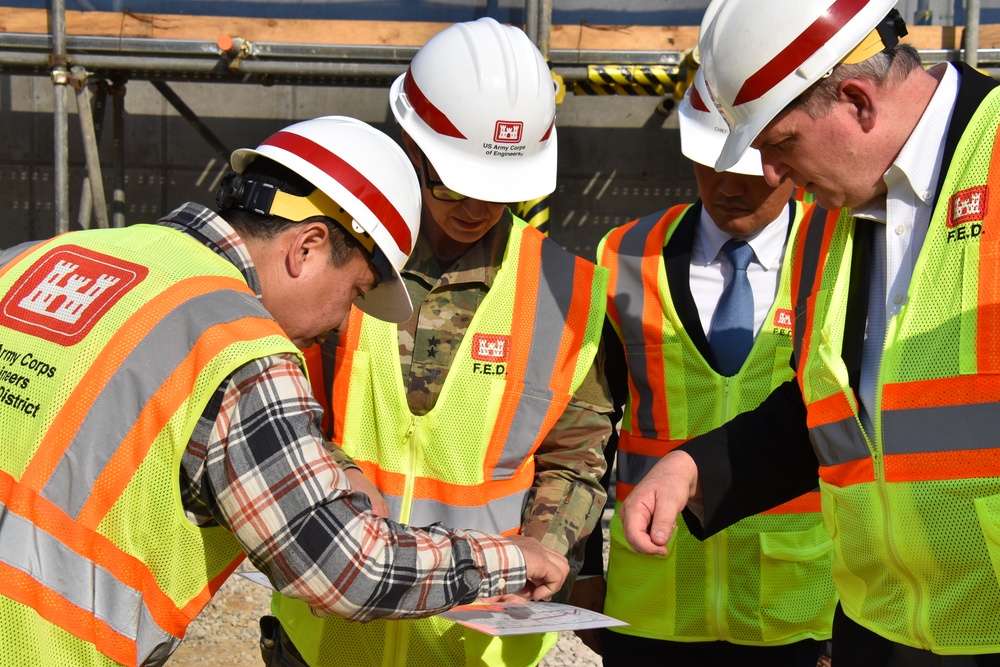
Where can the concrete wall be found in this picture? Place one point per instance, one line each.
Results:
(619, 158)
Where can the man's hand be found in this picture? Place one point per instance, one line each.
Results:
(589, 594)
(547, 569)
(361, 483)
(649, 514)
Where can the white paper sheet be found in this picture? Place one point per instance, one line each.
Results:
(525, 618)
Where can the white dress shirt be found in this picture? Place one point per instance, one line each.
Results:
(711, 271)
(905, 211)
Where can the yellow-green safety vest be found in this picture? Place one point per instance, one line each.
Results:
(915, 514)
(108, 355)
(763, 581)
(469, 461)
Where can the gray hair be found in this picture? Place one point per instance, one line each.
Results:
(885, 69)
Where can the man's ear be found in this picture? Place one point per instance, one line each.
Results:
(309, 242)
(862, 95)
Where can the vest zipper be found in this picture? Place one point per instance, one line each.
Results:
(880, 483)
(718, 626)
(397, 635)
(718, 545)
(413, 459)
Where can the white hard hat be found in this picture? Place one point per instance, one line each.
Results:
(479, 101)
(365, 173)
(704, 131)
(759, 56)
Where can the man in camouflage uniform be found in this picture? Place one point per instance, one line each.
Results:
(477, 272)
(568, 498)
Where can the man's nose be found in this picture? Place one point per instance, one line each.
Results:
(774, 172)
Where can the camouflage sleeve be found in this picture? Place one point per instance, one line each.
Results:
(342, 458)
(567, 497)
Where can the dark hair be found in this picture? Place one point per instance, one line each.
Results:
(343, 246)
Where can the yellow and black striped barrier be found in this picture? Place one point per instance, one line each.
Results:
(627, 80)
(535, 212)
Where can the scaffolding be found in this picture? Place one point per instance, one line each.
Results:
(96, 68)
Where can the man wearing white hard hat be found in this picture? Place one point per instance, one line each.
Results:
(715, 275)
(160, 427)
(894, 403)
(490, 411)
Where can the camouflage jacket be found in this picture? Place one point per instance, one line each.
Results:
(567, 494)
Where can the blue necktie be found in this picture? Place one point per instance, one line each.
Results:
(731, 333)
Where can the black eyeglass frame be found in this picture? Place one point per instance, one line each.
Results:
(438, 189)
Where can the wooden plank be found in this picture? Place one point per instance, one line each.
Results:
(396, 33)
(210, 28)
(623, 38)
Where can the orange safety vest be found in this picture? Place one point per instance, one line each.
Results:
(110, 355)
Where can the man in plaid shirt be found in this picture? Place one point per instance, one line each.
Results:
(318, 217)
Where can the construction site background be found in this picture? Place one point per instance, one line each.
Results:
(619, 152)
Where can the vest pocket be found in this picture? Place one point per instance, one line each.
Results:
(988, 512)
(796, 589)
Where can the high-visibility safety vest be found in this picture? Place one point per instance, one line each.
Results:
(469, 461)
(108, 356)
(763, 581)
(915, 513)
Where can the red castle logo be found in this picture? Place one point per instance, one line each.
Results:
(783, 318)
(65, 293)
(508, 132)
(490, 347)
(967, 205)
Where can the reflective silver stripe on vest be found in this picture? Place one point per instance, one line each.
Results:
(118, 406)
(554, 296)
(940, 429)
(10, 253)
(630, 300)
(839, 442)
(82, 583)
(633, 467)
(502, 514)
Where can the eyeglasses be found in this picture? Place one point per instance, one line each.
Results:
(438, 189)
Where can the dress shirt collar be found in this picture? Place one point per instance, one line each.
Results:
(209, 229)
(768, 243)
(914, 173)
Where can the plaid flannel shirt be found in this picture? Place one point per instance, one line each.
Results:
(256, 464)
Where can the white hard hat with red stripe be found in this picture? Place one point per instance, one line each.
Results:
(367, 175)
(759, 56)
(479, 101)
(704, 131)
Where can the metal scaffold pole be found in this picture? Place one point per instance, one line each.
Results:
(970, 37)
(94, 180)
(60, 80)
(118, 152)
(544, 27)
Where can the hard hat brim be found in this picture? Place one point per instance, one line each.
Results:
(737, 144)
(703, 137)
(388, 301)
